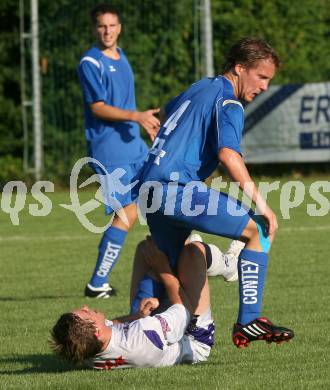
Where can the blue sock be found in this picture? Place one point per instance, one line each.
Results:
(109, 251)
(148, 288)
(252, 269)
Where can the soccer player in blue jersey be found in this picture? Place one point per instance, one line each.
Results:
(203, 127)
(112, 132)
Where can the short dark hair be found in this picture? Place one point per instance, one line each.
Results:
(73, 339)
(248, 51)
(102, 9)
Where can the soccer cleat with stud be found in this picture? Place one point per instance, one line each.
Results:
(260, 329)
(104, 292)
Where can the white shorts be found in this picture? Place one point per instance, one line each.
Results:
(198, 339)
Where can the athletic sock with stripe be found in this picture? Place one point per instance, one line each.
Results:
(109, 251)
(252, 269)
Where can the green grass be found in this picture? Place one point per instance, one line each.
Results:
(46, 261)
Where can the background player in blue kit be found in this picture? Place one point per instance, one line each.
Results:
(112, 133)
(203, 126)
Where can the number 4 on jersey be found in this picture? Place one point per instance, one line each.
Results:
(169, 126)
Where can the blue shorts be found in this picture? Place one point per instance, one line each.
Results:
(116, 185)
(219, 214)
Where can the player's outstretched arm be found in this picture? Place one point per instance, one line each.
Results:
(238, 172)
(146, 307)
(158, 261)
(146, 119)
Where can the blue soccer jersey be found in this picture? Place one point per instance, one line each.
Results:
(200, 121)
(110, 81)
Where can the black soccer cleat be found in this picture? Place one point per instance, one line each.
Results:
(104, 292)
(260, 329)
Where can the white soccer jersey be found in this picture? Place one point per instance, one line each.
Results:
(152, 342)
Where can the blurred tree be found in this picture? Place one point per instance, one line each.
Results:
(158, 40)
(298, 29)
(11, 140)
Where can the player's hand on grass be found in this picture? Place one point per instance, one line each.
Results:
(149, 121)
(154, 257)
(147, 305)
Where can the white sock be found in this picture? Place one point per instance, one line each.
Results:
(218, 265)
(225, 264)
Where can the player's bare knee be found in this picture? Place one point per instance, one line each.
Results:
(250, 231)
(193, 250)
(197, 247)
(192, 257)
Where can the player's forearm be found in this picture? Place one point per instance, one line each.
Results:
(110, 113)
(238, 172)
(127, 318)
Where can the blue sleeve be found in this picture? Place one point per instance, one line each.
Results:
(229, 123)
(90, 76)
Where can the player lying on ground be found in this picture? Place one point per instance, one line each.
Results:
(180, 333)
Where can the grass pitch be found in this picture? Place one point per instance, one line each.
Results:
(46, 262)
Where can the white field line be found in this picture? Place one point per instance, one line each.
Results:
(303, 228)
(62, 237)
(50, 237)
